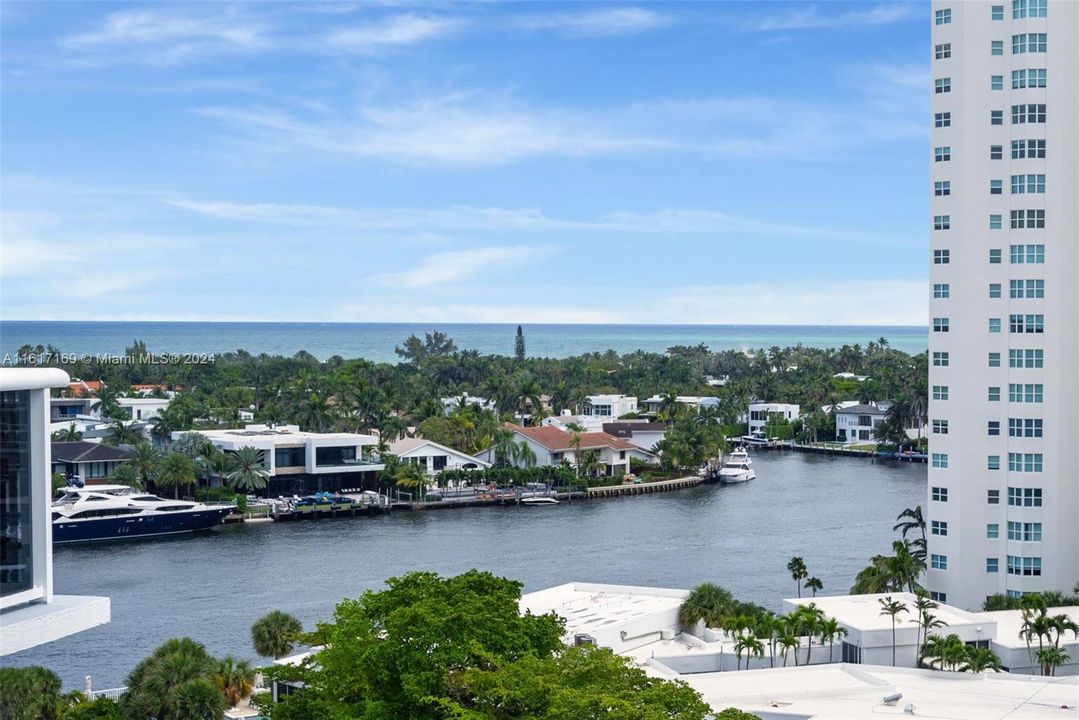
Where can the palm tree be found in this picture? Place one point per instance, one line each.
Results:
(981, 659)
(275, 634)
(772, 627)
(409, 475)
(177, 471)
(789, 642)
(708, 602)
(121, 434)
(1051, 658)
(503, 447)
(162, 685)
(750, 645)
(126, 474)
(218, 464)
(590, 464)
(814, 584)
(797, 568)
(922, 605)
(68, 434)
(669, 407)
(809, 619)
(830, 631)
(911, 520)
(891, 607)
(249, 471)
(146, 460)
(525, 454)
(575, 443)
(235, 678)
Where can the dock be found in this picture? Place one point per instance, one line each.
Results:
(644, 488)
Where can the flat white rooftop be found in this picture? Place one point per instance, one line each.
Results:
(1009, 622)
(39, 623)
(282, 434)
(856, 692)
(863, 611)
(590, 607)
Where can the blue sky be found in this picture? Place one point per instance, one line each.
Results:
(745, 162)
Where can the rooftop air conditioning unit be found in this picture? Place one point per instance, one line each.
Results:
(583, 639)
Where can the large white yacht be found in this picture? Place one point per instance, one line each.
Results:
(115, 512)
(738, 468)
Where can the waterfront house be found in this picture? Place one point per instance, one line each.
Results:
(857, 423)
(143, 408)
(302, 462)
(91, 462)
(652, 405)
(30, 613)
(605, 408)
(759, 414)
(642, 433)
(552, 446)
(434, 457)
(83, 388)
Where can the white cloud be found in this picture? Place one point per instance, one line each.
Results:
(397, 30)
(809, 17)
(446, 268)
(597, 23)
(162, 37)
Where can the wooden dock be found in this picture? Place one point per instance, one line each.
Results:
(644, 488)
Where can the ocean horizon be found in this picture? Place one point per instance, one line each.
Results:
(376, 341)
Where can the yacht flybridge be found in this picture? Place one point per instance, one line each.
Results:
(738, 468)
(116, 512)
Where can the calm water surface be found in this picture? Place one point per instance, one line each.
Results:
(835, 512)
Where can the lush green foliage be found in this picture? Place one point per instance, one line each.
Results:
(31, 693)
(174, 683)
(275, 634)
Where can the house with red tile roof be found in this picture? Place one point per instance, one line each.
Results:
(553, 446)
(83, 388)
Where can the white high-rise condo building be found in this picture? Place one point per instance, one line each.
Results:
(1003, 508)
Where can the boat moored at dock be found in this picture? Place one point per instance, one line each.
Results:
(738, 468)
(118, 512)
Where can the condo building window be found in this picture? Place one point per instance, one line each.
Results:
(940, 392)
(996, 187)
(1028, 254)
(996, 82)
(942, 188)
(994, 393)
(1028, 219)
(1028, 184)
(1025, 462)
(942, 222)
(938, 596)
(940, 460)
(1028, 43)
(995, 222)
(996, 152)
(996, 47)
(992, 497)
(942, 85)
(940, 427)
(940, 359)
(1028, 149)
(997, 12)
(1028, 113)
(1026, 358)
(941, 291)
(1025, 427)
(938, 527)
(938, 562)
(942, 154)
(993, 462)
(1027, 289)
(994, 325)
(1024, 497)
(1031, 323)
(994, 359)
(1024, 565)
(940, 325)
(992, 565)
(996, 117)
(1029, 77)
(943, 51)
(943, 17)
(994, 256)
(939, 494)
(942, 119)
(942, 257)
(1025, 392)
(992, 531)
(1028, 8)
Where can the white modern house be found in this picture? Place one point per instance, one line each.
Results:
(303, 462)
(1004, 301)
(143, 408)
(857, 423)
(653, 404)
(604, 408)
(552, 446)
(30, 613)
(434, 457)
(758, 414)
(449, 404)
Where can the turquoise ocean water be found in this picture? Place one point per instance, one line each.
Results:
(376, 341)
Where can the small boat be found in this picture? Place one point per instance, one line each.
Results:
(737, 468)
(322, 502)
(118, 512)
(539, 501)
(758, 439)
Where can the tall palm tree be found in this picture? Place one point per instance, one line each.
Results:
(235, 678)
(912, 520)
(68, 434)
(789, 642)
(275, 634)
(830, 631)
(218, 464)
(892, 608)
(981, 659)
(147, 461)
(590, 463)
(161, 685)
(177, 471)
(126, 474)
(750, 646)
(409, 475)
(669, 407)
(708, 602)
(809, 619)
(797, 568)
(525, 454)
(922, 605)
(814, 584)
(122, 434)
(249, 471)
(1050, 658)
